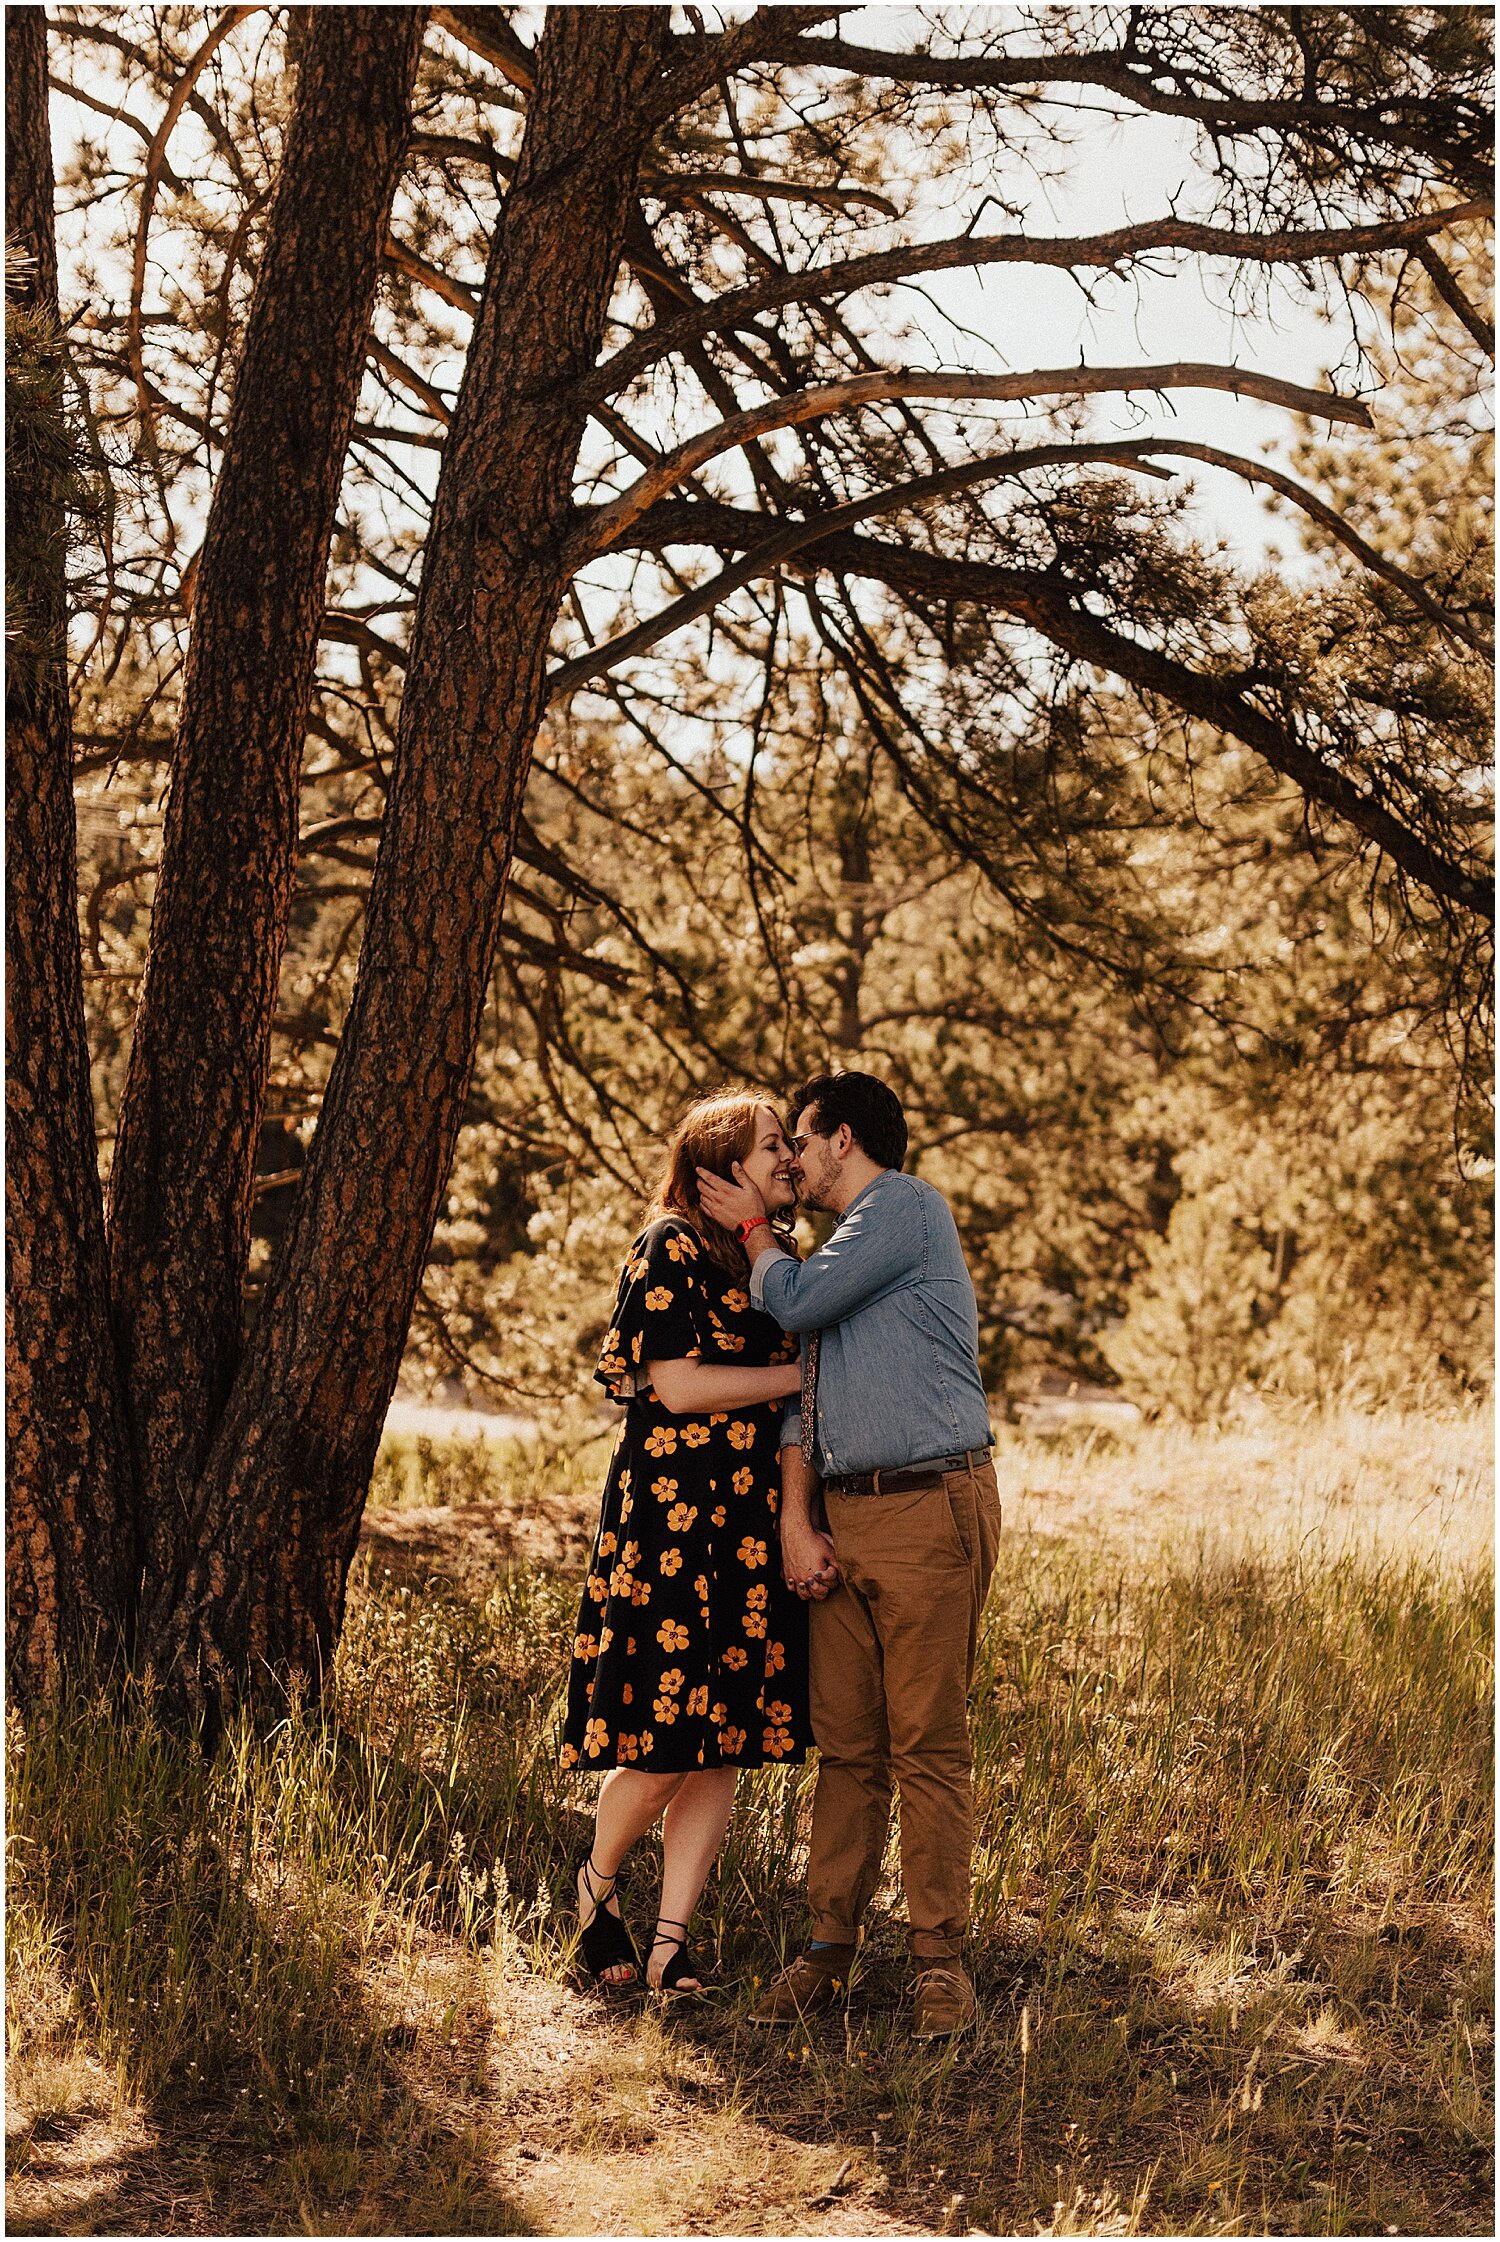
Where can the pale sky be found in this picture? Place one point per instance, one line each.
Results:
(1013, 317)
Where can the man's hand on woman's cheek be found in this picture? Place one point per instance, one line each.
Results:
(730, 1203)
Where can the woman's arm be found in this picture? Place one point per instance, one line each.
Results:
(688, 1387)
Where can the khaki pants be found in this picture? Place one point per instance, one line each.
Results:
(891, 1660)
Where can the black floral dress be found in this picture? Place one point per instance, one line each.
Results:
(691, 1651)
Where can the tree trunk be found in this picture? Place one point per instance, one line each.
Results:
(182, 1189)
(70, 1565)
(284, 1488)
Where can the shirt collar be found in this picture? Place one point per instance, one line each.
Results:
(873, 1185)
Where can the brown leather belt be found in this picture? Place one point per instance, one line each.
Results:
(909, 1479)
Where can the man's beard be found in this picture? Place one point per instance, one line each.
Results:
(811, 1197)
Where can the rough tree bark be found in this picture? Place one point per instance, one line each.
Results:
(69, 1543)
(182, 1185)
(275, 1523)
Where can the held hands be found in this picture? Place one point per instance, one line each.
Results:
(730, 1203)
(808, 1560)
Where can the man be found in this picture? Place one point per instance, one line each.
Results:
(894, 1421)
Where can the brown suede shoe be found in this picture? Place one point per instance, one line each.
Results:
(945, 2003)
(812, 1982)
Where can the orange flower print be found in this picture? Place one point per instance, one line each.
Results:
(631, 1554)
(640, 1592)
(606, 1637)
(730, 1342)
(647, 1740)
(718, 1713)
(621, 1581)
(625, 1482)
(680, 1517)
(672, 1635)
(630, 1646)
(700, 1588)
(665, 1490)
(778, 1714)
(741, 1436)
(775, 1742)
(718, 1418)
(775, 1657)
(610, 1364)
(659, 1297)
(671, 1681)
(635, 1347)
(755, 1598)
(743, 1480)
(755, 1624)
(597, 1588)
(718, 1514)
(682, 1249)
(607, 1545)
(585, 1646)
(736, 1301)
(697, 1701)
(665, 1709)
(693, 1436)
(629, 1748)
(634, 1269)
(661, 1441)
(735, 1658)
(569, 1755)
(671, 1562)
(731, 1740)
(627, 1694)
(751, 1551)
(610, 1343)
(595, 1736)
(773, 1501)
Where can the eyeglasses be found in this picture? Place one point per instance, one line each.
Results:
(799, 1144)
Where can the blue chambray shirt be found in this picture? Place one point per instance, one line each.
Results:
(898, 1365)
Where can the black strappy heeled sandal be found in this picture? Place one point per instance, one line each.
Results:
(680, 1966)
(604, 1941)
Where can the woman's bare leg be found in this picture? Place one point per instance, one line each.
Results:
(630, 1803)
(692, 1832)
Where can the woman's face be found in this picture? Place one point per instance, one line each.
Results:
(768, 1162)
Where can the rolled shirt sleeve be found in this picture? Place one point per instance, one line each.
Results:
(759, 1269)
(791, 1426)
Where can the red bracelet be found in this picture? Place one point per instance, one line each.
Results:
(742, 1230)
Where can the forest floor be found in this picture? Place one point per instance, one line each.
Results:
(1233, 1931)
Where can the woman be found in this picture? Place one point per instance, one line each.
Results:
(690, 1658)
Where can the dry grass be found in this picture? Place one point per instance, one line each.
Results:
(1232, 1897)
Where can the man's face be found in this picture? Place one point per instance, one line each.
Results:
(815, 1168)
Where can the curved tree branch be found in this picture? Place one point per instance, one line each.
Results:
(1256, 471)
(1136, 452)
(795, 537)
(1105, 251)
(1047, 607)
(608, 524)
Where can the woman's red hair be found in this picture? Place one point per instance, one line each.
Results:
(713, 1133)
